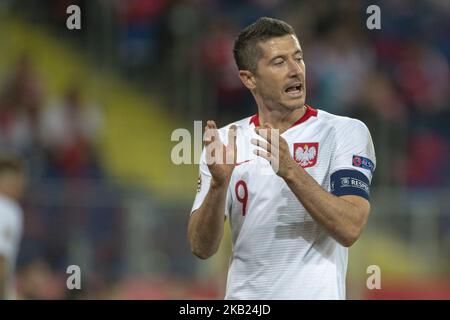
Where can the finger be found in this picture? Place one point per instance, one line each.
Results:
(262, 132)
(208, 135)
(211, 133)
(262, 144)
(211, 127)
(232, 136)
(214, 129)
(273, 135)
(269, 128)
(263, 154)
(212, 124)
(209, 124)
(266, 132)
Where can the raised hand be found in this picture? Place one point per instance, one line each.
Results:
(275, 150)
(220, 158)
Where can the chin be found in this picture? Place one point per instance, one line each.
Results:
(294, 105)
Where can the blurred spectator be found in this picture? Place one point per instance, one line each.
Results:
(396, 80)
(37, 281)
(69, 131)
(12, 183)
(427, 160)
(339, 68)
(220, 69)
(20, 102)
(423, 75)
(140, 24)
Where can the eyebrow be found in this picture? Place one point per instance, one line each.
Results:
(283, 55)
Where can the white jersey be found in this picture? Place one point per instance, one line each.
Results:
(279, 250)
(11, 218)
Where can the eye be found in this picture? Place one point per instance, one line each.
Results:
(299, 59)
(279, 62)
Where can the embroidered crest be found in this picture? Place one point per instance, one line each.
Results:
(306, 153)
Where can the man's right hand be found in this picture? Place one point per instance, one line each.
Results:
(220, 159)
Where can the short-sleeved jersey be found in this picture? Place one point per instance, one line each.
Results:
(279, 250)
(11, 218)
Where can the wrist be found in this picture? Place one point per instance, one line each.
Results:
(292, 174)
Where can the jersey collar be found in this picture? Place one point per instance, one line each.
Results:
(310, 112)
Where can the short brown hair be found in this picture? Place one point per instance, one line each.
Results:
(247, 51)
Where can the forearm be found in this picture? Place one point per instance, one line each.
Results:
(205, 229)
(341, 218)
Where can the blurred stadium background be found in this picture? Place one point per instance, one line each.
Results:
(92, 112)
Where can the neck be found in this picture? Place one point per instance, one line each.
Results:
(280, 119)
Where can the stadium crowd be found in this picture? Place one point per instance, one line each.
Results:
(394, 79)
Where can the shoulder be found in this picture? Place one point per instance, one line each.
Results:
(341, 122)
(352, 137)
(344, 126)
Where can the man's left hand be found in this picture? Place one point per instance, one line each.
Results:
(275, 150)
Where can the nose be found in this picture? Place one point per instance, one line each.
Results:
(294, 69)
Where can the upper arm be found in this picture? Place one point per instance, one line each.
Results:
(354, 161)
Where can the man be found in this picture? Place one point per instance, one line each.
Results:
(11, 188)
(290, 229)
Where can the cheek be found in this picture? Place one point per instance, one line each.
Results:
(271, 89)
(270, 84)
(273, 84)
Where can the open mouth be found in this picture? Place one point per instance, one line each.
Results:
(294, 90)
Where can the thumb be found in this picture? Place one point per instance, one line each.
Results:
(232, 137)
(232, 133)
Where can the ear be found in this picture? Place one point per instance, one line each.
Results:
(248, 79)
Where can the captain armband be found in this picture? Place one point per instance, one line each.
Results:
(350, 182)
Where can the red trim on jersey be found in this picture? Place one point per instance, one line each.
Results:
(255, 120)
(310, 112)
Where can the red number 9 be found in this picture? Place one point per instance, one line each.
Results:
(244, 198)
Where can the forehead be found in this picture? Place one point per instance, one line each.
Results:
(287, 44)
